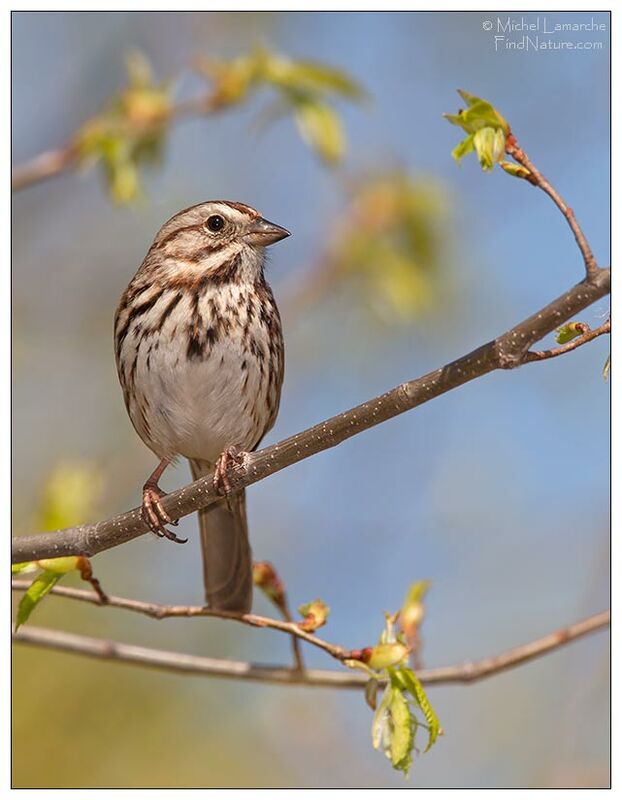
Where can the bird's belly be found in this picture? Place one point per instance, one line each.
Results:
(198, 407)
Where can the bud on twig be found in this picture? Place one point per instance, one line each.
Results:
(381, 656)
(60, 566)
(566, 333)
(517, 171)
(413, 611)
(315, 615)
(266, 578)
(86, 573)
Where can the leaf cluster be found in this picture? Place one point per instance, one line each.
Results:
(304, 89)
(404, 708)
(131, 132)
(389, 242)
(487, 132)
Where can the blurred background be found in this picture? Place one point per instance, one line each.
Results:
(400, 261)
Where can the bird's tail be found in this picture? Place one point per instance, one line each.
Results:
(227, 560)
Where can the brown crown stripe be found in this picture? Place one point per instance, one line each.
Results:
(251, 212)
(231, 203)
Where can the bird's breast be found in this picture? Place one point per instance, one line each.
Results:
(207, 374)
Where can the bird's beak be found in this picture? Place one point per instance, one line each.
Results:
(262, 233)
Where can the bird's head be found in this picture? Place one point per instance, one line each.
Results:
(215, 237)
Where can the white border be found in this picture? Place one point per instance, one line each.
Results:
(275, 5)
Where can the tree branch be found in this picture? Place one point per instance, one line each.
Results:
(505, 352)
(159, 611)
(51, 163)
(468, 672)
(513, 149)
(43, 166)
(587, 336)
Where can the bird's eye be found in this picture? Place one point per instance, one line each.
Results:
(215, 223)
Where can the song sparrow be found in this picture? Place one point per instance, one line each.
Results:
(199, 352)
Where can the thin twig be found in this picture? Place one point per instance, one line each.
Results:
(240, 670)
(513, 149)
(505, 352)
(299, 663)
(159, 611)
(588, 336)
(268, 581)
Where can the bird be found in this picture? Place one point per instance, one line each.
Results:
(200, 357)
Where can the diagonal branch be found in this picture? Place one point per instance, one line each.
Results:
(505, 352)
(240, 670)
(513, 149)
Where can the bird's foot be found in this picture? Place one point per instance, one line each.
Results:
(231, 457)
(155, 516)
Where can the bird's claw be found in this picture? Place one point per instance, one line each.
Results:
(231, 457)
(155, 516)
